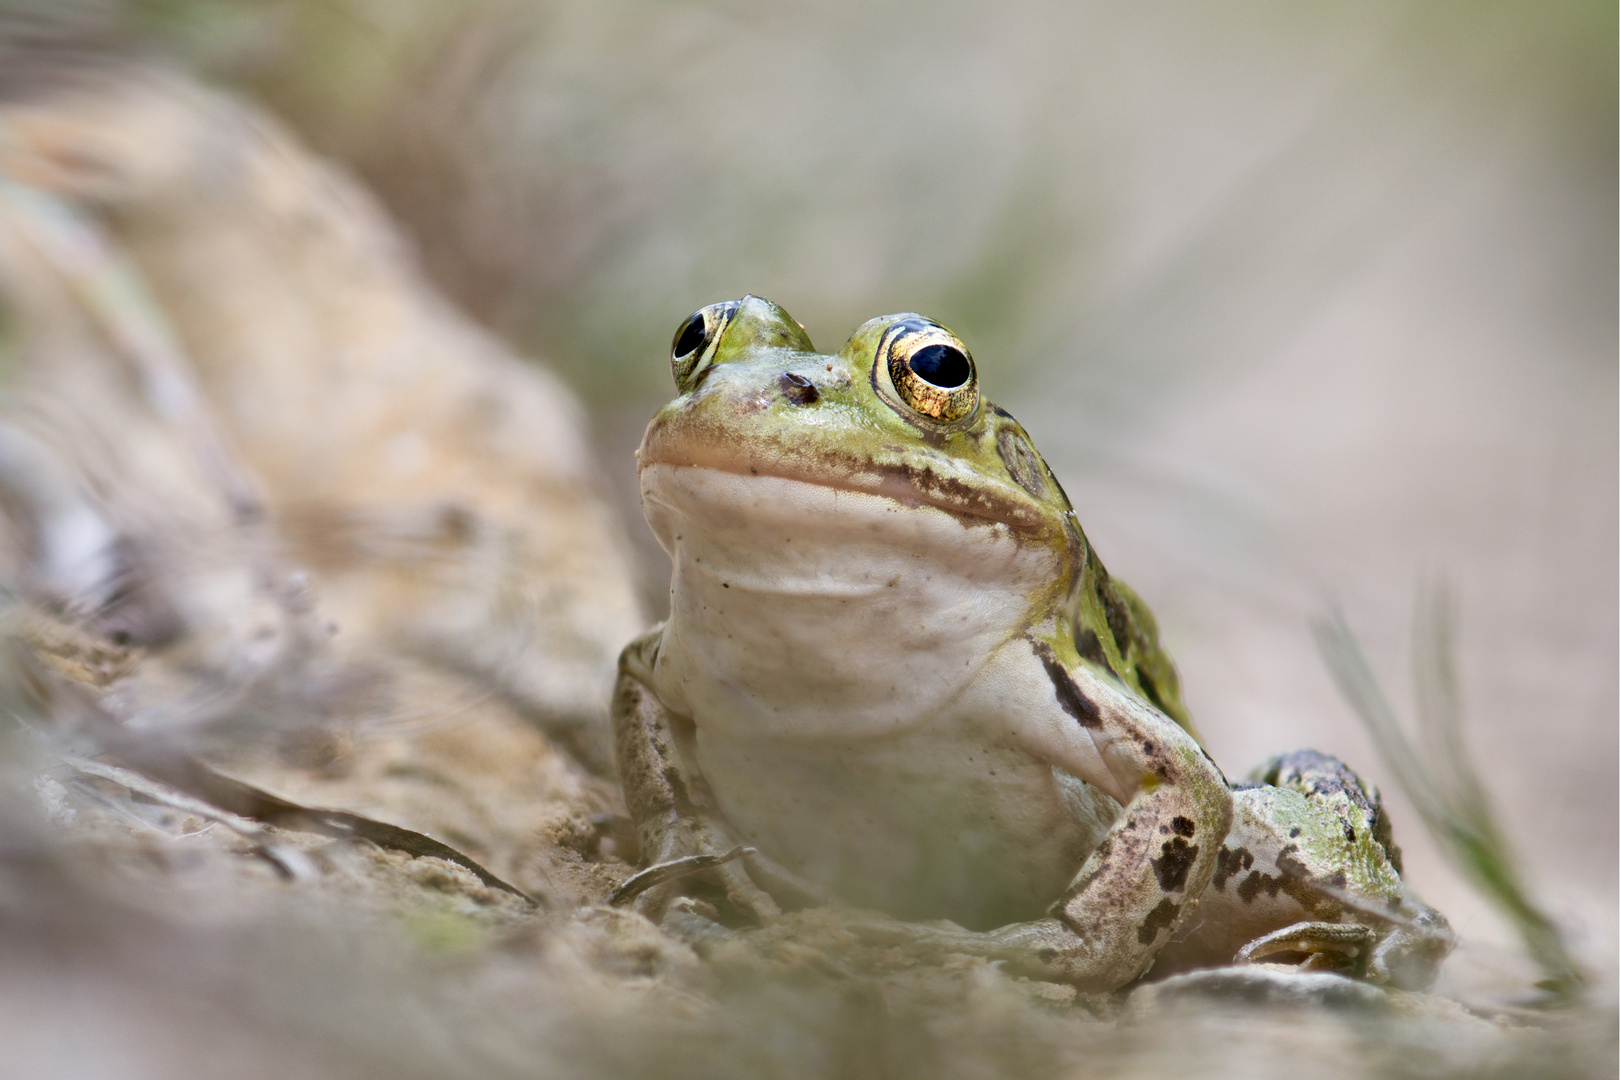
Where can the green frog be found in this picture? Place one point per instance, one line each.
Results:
(896, 679)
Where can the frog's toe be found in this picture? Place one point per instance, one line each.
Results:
(1314, 946)
(652, 890)
(746, 896)
(667, 870)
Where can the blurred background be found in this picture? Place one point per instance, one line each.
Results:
(1306, 305)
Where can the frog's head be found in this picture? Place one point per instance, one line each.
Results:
(785, 474)
(896, 412)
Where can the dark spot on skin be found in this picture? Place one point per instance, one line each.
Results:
(978, 501)
(1119, 619)
(1289, 864)
(1150, 688)
(1183, 826)
(1385, 836)
(1046, 956)
(1175, 859)
(1294, 881)
(1293, 832)
(798, 389)
(1229, 863)
(1069, 696)
(1147, 746)
(1349, 832)
(1101, 856)
(1337, 879)
(677, 785)
(1089, 646)
(1158, 919)
(1023, 464)
(1250, 886)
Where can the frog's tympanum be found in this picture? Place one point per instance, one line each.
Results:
(896, 679)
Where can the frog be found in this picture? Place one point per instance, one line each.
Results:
(897, 681)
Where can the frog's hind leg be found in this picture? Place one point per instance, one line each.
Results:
(1310, 874)
(1411, 938)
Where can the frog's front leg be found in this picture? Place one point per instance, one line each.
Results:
(1146, 875)
(677, 823)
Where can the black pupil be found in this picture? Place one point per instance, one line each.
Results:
(941, 365)
(690, 336)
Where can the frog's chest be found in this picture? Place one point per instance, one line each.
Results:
(924, 825)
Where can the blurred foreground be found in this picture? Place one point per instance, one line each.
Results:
(1277, 345)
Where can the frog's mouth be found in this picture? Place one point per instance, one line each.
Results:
(979, 502)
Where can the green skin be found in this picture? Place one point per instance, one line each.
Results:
(1000, 721)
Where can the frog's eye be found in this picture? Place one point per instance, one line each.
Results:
(695, 342)
(930, 369)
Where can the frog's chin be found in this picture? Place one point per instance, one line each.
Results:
(778, 582)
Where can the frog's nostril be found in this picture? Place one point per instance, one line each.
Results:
(798, 389)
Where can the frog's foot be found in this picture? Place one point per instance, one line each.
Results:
(753, 884)
(698, 848)
(671, 870)
(1314, 946)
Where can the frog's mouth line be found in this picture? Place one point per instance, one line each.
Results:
(905, 484)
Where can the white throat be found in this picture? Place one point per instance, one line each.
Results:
(799, 611)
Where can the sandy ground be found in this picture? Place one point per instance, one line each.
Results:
(1302, 376)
